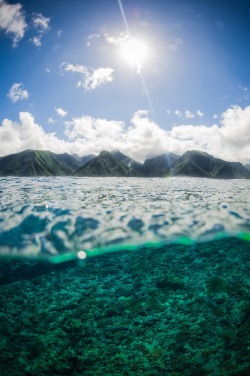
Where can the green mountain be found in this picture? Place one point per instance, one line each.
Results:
(129, 162)
(69, 161)
(105, 164)
(158, 166)
(200, 164)
(36, 163)
(192, 163)
(247, 166)
(83, 160)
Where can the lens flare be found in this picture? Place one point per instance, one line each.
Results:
(134, 52)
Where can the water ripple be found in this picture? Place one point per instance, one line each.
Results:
(52, 216)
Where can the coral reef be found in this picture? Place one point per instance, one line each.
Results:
(176, 310)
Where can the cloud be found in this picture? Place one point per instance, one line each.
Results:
(144, 138)
(51, 120)
(116, 40)
(41, 25)
(92, 78)
(61, 112)
(199, 113)
(12, 21)
(74, 68)
(178, 113)
(244, 93)
(91, 37)
(189, 115)
(141, 139)
(26, 134)
(37, 41)
(97, 133)
(17, 93)
(236, 126)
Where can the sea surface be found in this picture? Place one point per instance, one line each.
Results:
(47, 217)
(124, 276)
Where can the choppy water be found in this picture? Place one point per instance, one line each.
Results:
(63, 216)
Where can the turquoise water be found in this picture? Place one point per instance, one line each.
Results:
(172, 300)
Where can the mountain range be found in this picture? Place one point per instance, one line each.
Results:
(192, 163)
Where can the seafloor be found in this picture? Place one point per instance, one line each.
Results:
(175, 310)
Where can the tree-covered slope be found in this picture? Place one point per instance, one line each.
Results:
(158, 166)
(33, 163)
(129, 162)
(200, 164)
(105, 164)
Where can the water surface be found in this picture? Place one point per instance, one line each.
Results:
(54, 216)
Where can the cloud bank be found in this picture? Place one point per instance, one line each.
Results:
(143, 138)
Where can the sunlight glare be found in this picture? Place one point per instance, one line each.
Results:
(134, 52)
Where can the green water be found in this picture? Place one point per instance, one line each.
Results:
(124, 277)
(174, 309)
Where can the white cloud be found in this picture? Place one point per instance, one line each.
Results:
(98, 77)
(61, 112)
(91, 37)
(178, 113)
(236, 126)
(215, 116)
(74, 68)
(92, 78)
(17, 93)
(168, 111)
(199, 113)
(189, 115)
(26, 134)
(41, 23)
(98, 133)
(59, 33)
(51, 120)
(116, 40)
(12, 21)
(37, 41)
(142, 139)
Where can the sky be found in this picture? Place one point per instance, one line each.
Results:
(144, 77)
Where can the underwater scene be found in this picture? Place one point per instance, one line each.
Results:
(124, 276)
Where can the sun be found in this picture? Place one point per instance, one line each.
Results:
(135, 52)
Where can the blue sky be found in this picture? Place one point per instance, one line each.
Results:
(69, 83)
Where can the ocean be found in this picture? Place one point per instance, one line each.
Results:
(124, 276)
